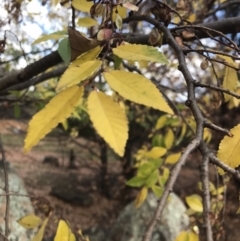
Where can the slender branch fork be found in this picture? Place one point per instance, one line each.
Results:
(197, 142)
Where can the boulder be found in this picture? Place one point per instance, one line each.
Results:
(131, 224)
(19, 206)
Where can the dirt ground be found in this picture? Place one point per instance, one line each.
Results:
(40, 180)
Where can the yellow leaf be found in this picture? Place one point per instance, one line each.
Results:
(156, 152)
(40, 233)
(89, 55)
(169, 139)
(193, 236)
(82, 5)
(74, 75)
(142, 195)
(173, 158)
(138, 52)
(137, 88)
(87, 22)
(63, 231)
(230, 77)
(30, 221)
(54, 36)
(162, 120)
(229, 148)
(56, 111)
(183, 236)
(72, 237)
(109, 119)
(195, 202)
(122, 12)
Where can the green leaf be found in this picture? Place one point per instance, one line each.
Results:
(137, 52)
(169, 139)
(136, 181)
(152, 179)
(156, 152)
(65, 51)
(146, 169)
(17, 110)
(157, 190)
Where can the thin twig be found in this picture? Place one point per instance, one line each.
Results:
(6, 190)
(214, 87)
(217, 128)
(168, 188)
(206, 198)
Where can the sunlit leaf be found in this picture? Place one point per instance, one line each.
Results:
(141, 197)
(162, 120)
(172, 158)
(56, 111)
(74, 75)
(118, 10)
(30, 221)
(137, 52)
(53, 36)
(89, 55)
(229, 148)
(63, 231)
(40, 233)
(109, 119)
(156, 152)
(183, 236)
(87, 22)
(137, 88)
(195, 202)
(169, 139)
(82, 5)
(230, 77)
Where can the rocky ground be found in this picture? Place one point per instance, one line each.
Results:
(84, 205)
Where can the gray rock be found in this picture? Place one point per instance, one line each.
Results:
(19, 206)
(131, 224)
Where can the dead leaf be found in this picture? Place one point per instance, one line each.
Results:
(80, 44)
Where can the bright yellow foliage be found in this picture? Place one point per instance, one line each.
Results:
(89, 55)
(87, 22)
(40, 233)
(74, 75)
(173, 158)
(138, 52)
(137, 88)
(122, 12)
(230, 77)
(156, 152)
(195, 203)
(141, 197)
(109, 120)
(30, 221)
(169, 139)
(63, 232)
(56, 111)
(187, 236)
(82, 5)
(229, 148)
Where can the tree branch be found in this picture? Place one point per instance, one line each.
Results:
(224, 26)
